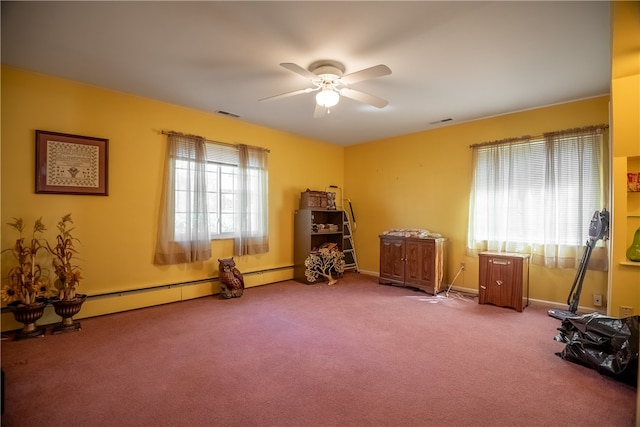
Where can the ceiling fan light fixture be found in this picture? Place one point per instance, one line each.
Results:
(327, 97)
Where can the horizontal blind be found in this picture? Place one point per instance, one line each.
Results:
(222, 154)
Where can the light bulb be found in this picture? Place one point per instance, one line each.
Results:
(327, 97)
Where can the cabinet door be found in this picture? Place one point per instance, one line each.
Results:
(504, 281)
(500, 282)
(419, 270)
(392, 254)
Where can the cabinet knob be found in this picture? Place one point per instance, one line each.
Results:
(499, 282)
(483, 287)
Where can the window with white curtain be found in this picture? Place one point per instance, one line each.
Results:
(212, 190)
(221, 169)
(538, 195)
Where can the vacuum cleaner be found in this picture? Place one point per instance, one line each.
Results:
(598, 229)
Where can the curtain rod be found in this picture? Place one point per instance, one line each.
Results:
(546, 134)
(172, 132)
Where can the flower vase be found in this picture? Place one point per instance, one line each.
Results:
(67, 309)
(28, 315)
(633, 253)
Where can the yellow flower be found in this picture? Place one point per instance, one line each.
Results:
(43, 287)
(8, 293)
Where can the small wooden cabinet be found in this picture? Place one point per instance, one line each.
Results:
(504, 279)
(412, 262)
(312, 229)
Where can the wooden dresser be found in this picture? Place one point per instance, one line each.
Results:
(412, 262)
(504, 279)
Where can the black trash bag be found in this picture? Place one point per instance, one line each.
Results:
(607, 344)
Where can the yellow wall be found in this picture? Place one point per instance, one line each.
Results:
(118, 232)
(417, 180)
(625, 125)
(422, 180)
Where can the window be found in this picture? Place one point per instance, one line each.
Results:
(212, 190)
(221, 177)
(538, 195)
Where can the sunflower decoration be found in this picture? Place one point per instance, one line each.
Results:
(25, 282)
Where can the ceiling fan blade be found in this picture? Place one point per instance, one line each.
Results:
(320, 111)
(363, 97)
(288, 94)
(299, 70)
(366, 74)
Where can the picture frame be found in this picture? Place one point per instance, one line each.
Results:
(71, 164)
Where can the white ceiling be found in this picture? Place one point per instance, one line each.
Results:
(458, 60)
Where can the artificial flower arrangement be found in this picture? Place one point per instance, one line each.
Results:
(26, 284)
(67, 274)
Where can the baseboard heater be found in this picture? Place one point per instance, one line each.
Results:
(180, 284)
(172, 285)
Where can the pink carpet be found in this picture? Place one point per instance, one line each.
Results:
(287, 354)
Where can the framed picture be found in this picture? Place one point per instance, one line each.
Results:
(71, 164)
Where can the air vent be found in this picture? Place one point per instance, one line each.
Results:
(226, 113)
(441, 121)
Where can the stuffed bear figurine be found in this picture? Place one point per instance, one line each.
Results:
(231, 280)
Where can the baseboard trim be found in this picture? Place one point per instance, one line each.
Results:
(98, 305)
(133, 299)
(532, 301)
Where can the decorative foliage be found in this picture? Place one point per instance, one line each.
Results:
(64, 252)
(324, 262)
(25, 282)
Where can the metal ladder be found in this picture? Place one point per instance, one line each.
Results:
(348, 226)
(348, 247)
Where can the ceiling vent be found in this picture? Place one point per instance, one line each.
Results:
(437, 122)
(226, 113)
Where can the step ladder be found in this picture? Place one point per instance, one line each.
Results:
(348, 248)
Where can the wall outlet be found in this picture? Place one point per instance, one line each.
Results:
(463, 266)
(626, 311)
(597, 300)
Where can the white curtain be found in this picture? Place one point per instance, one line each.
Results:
(183, 230)
(253, 236)
(538, 195)
(575, 187)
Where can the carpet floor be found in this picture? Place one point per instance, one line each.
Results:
(286, 354)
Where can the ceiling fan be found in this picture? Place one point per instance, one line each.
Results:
(328, 79)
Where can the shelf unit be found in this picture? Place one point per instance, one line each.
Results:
(306, 239)
(633, 210)
(630, 263)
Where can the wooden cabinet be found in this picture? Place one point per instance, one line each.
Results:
(312, 229)
(412, 262)
(504, 279)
